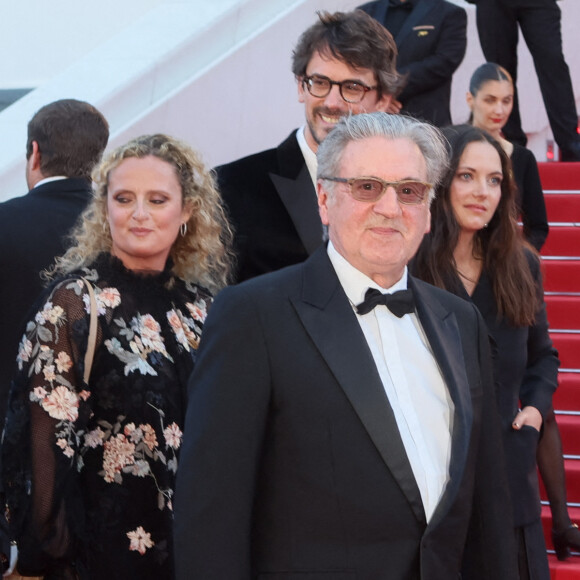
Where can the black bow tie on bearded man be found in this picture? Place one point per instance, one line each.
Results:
(399, 303)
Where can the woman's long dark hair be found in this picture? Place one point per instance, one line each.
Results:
(500, 245)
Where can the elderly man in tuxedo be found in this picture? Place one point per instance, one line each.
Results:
(341, 420)
(344, 64)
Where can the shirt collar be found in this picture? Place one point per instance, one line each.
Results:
(354, 282)
(308, 154)
(49, 179)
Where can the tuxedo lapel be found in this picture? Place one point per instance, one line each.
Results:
(442, 331)
(331, 323)
(420, 10)
(296, 190)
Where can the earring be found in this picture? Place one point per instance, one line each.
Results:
(105, 224)
(183, 229)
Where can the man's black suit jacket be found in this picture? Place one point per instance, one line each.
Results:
(292, 466)
(431, 45)
(33, 229)
(272, 206)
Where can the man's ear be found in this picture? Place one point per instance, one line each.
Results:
(383, 103)
(300, 89)
(322, 202)
(35, 157)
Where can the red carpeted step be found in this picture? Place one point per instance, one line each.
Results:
(562, 241)
(567, 570)
(560, 175)
(563, 207)
(567, 395)
(570, 432)
(561, 275)
(563, 312)
(568, 346)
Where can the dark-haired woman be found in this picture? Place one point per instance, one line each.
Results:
(490, 99)
(474, 249)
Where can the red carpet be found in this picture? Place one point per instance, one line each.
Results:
(567, 397)
(562, 241)
(561, 267)
(563, 312)
(561, 275)
(568, 346)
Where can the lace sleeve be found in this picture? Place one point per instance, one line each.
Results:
(48, 412)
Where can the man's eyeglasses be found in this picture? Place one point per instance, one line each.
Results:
(371, 189)
(351, 91)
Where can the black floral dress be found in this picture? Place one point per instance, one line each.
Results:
(89, 469)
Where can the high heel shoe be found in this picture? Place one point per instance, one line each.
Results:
(563, 540)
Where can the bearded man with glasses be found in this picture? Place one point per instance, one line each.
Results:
(341, 418)
(344, 64)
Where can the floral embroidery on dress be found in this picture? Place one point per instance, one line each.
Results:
(128, 449)
(55, 394)
(144, 336)
(140, 540)
(184, 329)
(198, 310)
(173, 435)
(104, 297)
(106, 441)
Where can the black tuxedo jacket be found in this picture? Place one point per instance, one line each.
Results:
(33, 229)
(292, 466)
(431, 45)
(273, 208)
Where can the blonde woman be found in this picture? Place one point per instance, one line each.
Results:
(89, 468)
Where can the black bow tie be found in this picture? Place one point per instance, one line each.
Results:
(399, 303)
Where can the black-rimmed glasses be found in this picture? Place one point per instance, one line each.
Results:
(371, 189)
(351, 91)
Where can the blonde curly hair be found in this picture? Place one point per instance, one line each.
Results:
(201, 256)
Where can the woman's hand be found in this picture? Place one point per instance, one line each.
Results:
(528, 416)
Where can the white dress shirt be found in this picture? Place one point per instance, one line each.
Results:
(308, 154)
(49, 179)
(412, 381)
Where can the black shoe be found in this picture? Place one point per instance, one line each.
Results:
(563, 540)
(571, 153)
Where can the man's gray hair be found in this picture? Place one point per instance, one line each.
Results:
(428, 138)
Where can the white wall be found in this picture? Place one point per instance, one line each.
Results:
(39, 38)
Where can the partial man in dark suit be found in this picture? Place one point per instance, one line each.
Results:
(344, 64)
(65, 141)
(540, 23)
(333, 432)
(431, 38)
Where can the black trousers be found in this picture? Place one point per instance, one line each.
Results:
(540, 23)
